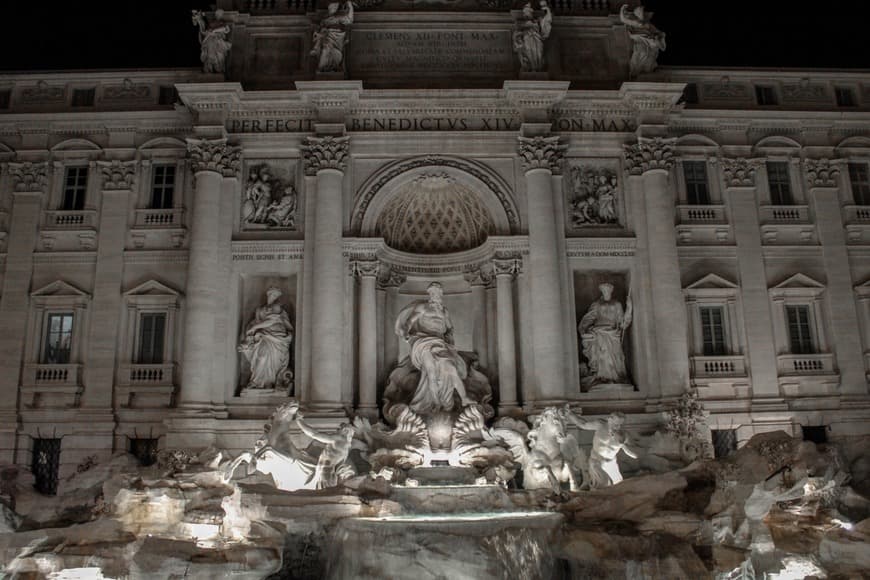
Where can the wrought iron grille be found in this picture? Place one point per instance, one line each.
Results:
(145, 450)
(46, 464)
(724, 442)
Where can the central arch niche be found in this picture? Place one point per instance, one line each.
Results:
(434, 214)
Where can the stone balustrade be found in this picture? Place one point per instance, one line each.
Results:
(785, 214)
(718, 366)
(805, 364)
(701, 214)
(70, 220)
(159, 218)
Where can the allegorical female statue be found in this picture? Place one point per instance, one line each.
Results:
(266, 345)
(530, 32)
(601, 330)
(426, 325)
(331, 38)
(647, 40)
(213, 42)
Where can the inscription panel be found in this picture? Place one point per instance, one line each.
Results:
(431, 51)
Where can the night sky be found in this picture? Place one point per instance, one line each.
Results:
(158, 33)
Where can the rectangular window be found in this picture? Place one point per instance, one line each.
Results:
(162, 186)
(168, 96)
(75, 187)
(45, 465)
(5, 99)
(799, 333)
(151, 330)
(724, 442)
(713, 331)
(845, 97)
(697, 192)
(83, 97)
(860, 178)
(779, 181)
(765, 96)
(58, 339)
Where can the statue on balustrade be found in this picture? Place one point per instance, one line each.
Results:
(602, 330)
(331, 38)
(647, 40)
(266, 346)
(214, 46)
(531, 30)
(608, 441)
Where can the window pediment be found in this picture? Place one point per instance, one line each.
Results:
(60, 293)
(711, 286)
(153, 293)
(798, 286)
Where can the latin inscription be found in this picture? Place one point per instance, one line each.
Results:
(425, 124)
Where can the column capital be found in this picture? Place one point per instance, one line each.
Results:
(118, 175)
(481, 276)
(740, 171)
(390, 278)
(325, 153)
(649, 155)
(365, 268)
(822, 172)
(29, 177)
(215, 155)
(542, 153)
(507, 266)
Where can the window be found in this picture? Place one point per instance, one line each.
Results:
(845, 97)
(765, 96)
(83, 97)
(75, 187)
(724, 442)
(5, 99)
(799, 333)
(690, 94)
(152, 327)
(697, 192)
(815, 433)
(779, 182)
(162, 186)
(58, 339)
(145, 450)
(168, 96)
(45, 465)
(860, 179)
(713, 331)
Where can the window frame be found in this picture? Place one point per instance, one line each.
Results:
(713, 291)
(845, 90)
(766, 89)
(59, 297)
(789, 181)
(865, 164)
(152, 297)
(691, 186)
(76, 189)
(718, 344)
(804, 342)
(799, 290)
(156, 159)
(140, 331)
(47, 332)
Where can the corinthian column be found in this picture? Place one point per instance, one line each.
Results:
(541, 158)
(211, 161)
(505, 272)
(326, 158)
(478, 280)
(652, 160)
(366, 271)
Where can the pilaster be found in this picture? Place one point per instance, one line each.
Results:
(366, 271)
(506, 270)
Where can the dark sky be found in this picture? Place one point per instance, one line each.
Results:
(159, 33)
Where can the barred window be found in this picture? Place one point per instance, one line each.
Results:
(765, 96)
(724, 442)
(145, 450)
(83, 97)
(45, 465)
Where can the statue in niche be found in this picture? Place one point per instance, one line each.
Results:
(601, 330)
(331, 38)
(266, 346)
(531, 30)
(214, 46)
(426, 326)
(269, 201)
(594, 197)
(647, 40)
(608, 441)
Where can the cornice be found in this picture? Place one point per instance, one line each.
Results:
(155, 256)
(88, 257)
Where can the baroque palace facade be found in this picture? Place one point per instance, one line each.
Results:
(531, 161)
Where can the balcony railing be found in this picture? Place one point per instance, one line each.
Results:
(71, 220)
(146, 375)
(785, 214)
(159, 218)
(857, 214)
(806, 364)
(52, 375)
(701, 214)
(718, 366)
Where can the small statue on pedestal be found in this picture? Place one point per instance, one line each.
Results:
(530, 33)
(214, 46)
(647, 40)
(331, 38)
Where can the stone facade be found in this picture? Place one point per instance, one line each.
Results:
(758, 299)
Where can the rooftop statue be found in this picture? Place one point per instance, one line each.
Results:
(213, 41)
(647, 40)
(330, 39)
(530, 32)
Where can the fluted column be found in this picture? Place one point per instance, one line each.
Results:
(478, 280)
(211, 161)
(366, 272)
(325, 158)
(542, 158)
(652, 159)
(505, 272)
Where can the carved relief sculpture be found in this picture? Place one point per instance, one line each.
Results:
(593, 199)
(608, 441)
(266, 346)
(531, 30)
(330, 38)
(602, 330)
(269, 200)
(214, 46)
(29, 177)
(647, 40)
(117, 175)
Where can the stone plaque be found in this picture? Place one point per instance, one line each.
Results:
(434, 51)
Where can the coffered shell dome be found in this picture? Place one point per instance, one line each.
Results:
(434, 214)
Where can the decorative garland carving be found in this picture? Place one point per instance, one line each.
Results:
(325, 153)
(649, 154)
(500, 191)
(822, 172)
(118, 175)
(29, 177)
(740, 172)
(542, 153)
(215, 155)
